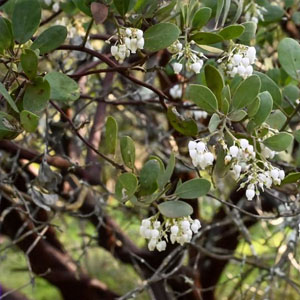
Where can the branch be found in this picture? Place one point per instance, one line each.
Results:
(112, 64)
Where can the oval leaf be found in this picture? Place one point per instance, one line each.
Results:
(291, 178)
(193, 188)
(265, 108)
(6, 34)
(246, 92)
(267, 84)
(214, 81)
(279, 142)
(111, 135)
(175, 209)
(50, 39)
(203, 97)
(29, 63)
(36, 95)
(63, 88)
(29, 120)
(148, 177)
(232, 32)
(201, 17)
(25, 19)
(126, 186)
(289, 57)
(160, 36)
(127, 151)
(206, 38)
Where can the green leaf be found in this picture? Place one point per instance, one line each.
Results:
(279, 142)
(273, 13)
(148, 177)
(160, 36)
(203, 97)
(253, 107)
(122, 6)
(297, 135)
(220, 5)
(226, 98)
(291, 178)
(184, 126)
(289, 57)
(29, 63)
(29, 120)
(126, 186)
(84, 6)
(237, 115)
(206, 38)
(9, 126)
(296, 17)
(267, 84)
(193, 188)
(127, 151)
(8, 98)
(175, 209)
(276, 119)
(6, 34)
(231, 32)
(214, 81)
(246, 92)
(111, 135)
(25, 19)
(201, 17)
(164, 178)
(214, 122)
(249, 32)
(63, 88)
(36, 95)
(265, 108)
(50, 39)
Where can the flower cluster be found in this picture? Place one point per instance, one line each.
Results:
(178, 230)
(260, 172)
(192, 58)
(240, 61)
(129, 41)
(200, 155)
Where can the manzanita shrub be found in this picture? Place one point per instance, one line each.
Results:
(181, 115)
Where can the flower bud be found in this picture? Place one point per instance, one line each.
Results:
(250, 194)
(140, 43)
(174, 229)
(161, 246)
(234, 150)
(237, 58)
(113, 50)
(177, 67)
(192, 145)
(200, 147)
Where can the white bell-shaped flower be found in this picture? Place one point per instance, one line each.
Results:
(250, 194)
(177, 67)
